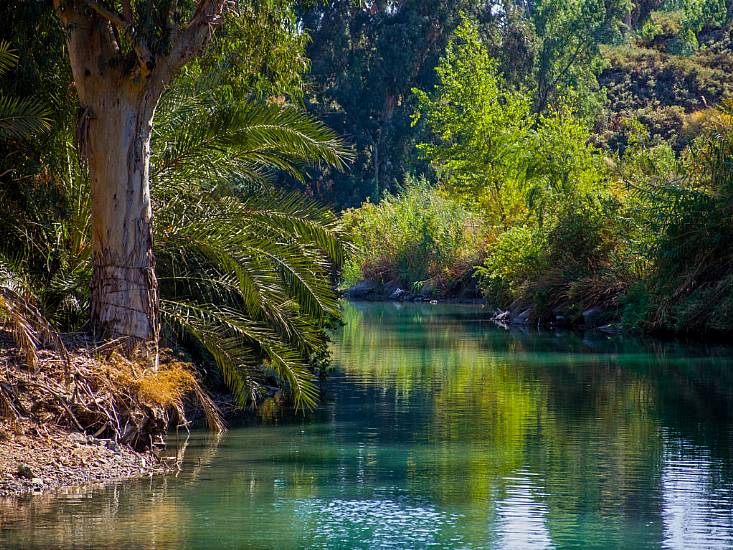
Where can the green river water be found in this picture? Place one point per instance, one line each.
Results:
(440, 430)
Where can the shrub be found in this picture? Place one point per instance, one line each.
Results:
(415, 237)
(693, 252)
(565, 266)
(513, 261)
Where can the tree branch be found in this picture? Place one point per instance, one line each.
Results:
(127, 11)
(90, 39)
(107, 14)
(188, 42)
(170, 19)
(146, 60)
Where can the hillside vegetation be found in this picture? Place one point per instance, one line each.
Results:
(595, 169)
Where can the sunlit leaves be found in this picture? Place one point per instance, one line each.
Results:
(491, 150)
(243, 269)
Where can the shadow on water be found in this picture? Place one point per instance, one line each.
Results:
(438, 429)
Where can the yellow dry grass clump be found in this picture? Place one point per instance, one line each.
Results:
(166, 386)
(103, 392)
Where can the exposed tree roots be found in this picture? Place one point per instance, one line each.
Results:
(99, 391)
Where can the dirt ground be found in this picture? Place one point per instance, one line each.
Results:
(36, 459)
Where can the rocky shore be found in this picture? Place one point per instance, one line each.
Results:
(81, 413)
(36, 459)
(392, 291)
(466, 292)
(589, 319)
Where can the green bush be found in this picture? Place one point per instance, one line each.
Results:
(565, 266)
(692, 254)
(514, 260)
(417, 237)
(636, 307)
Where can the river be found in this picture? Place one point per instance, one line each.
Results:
(439, 429)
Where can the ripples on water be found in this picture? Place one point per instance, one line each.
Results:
(439, 430)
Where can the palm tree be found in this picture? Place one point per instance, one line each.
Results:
(244, 269)
(20, 118)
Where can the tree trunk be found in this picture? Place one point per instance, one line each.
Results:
(119, 80)
(116, 129)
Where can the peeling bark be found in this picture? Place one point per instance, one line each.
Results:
(124, 287)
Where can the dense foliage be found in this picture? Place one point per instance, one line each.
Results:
(571, 158)
(419, 239)
(583, 221)
(243, 267)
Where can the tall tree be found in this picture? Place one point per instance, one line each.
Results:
(569, 36)
(123, 54)
(490, 150)
(366, 57)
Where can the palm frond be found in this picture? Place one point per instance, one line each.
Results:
(21, 118)
(18, 312)
(209, 142)
(247, 278)
(243, 269)
(8, 58)
(242, 348)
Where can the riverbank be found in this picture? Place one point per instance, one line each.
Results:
(82, 413)
(37, 459)
(521, 313)
(463, 290)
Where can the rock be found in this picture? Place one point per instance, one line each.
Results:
(561, 320)
(37, 481)
(501, 316)
(78, 438)
(610, 329)
(397, 294)
(427, 289)
(593, 317)
(24, 471)
(521, 319)
(390, 287)
(363, 290)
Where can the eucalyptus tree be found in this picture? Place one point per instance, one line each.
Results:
(569, 35)
(123, 55)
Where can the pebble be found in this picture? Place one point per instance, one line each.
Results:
(65, 459)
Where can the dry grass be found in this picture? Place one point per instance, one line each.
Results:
(100, 391)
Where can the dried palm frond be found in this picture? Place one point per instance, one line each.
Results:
(26, 323)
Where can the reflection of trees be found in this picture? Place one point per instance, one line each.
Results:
(585, 414)
(447, 431)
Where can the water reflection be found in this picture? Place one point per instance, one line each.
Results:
(440, 430)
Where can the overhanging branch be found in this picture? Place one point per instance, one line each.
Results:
(190, 40)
